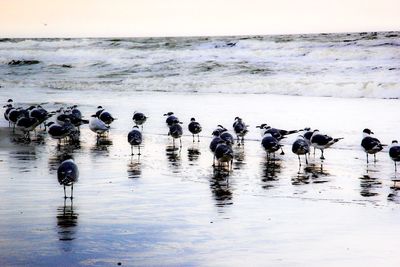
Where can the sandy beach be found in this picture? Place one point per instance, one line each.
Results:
(170, 208)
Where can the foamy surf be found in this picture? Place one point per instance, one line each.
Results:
(356, 65)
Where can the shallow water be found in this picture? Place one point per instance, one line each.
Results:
(171, 208)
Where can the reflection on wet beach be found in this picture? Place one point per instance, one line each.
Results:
(67, 222)
(220, 188)
(101, 147)
(193, 153)
(173, 154)
(270, 171)
(239, 157)
(134, 168)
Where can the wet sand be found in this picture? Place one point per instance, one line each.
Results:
(171, 208)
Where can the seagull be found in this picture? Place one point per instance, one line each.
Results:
(100, 109)
(67, 175)
(106, 117)
(135, 138)
(39, 113)
(8, 107)
(14, 115)
(223, 153)
(225, 135)
(214, 142)
(26, 125)
(301, 147)
(98, 126)
(57, 131)
(139, 118)
(240, 129)
(270, 144)
(171, 119)
(195, 128)
(394, 153)
(278, 134)
(175, 130)
(322, 141)
(371, 145)
(307, 136)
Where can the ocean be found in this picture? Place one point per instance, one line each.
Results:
(355, 65)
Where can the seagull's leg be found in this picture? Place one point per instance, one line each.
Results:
(131, 150)
(374, 158)
(299, 160)
(213, 161)
(395, 167)
(193, 137)
(173, 142)
(314, 151)
(65, 194)
(322, 154)
(367, 158)
(198, 138)
(282, 153)
(72, 190)
(139, 150)
(180, 142)
(306, 158)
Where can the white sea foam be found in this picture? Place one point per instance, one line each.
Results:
(335, 65)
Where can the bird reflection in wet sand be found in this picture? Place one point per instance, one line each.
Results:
(369, 184)
(67, 220)
(193, 153)
(271, 168)
(312, 173)
(220, 188)
(134, 168)
(173, 154)
(239, 157)
(395, 188)
(101, 146)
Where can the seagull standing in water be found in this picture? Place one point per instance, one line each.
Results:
(98, 126)
(139, 118)
(394, 153)
(270, 144)
(171, 119)
(371, 145)
(224, 153)
(278, 134)
(105, 116)
(195, 128)
(214, 142)
(301, 147)
(67, 175)
(322, 141)
(225, 135)
(175, 130)
(240, 129)
(135, 138)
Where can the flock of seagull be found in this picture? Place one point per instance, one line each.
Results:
(67, 122)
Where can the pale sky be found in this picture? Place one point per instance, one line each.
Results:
(130, 18)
